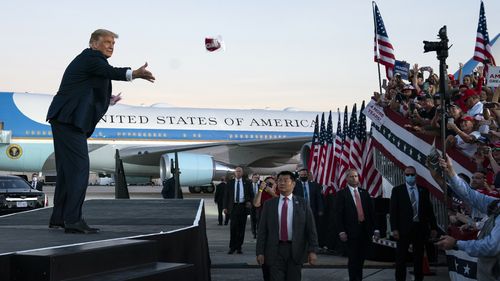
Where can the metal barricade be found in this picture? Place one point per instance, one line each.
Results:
(395, 175)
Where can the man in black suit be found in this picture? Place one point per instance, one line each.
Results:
(220, 190)
(36, 183)
(287, 235)
(412, 221)
(253, 212)
(355, 223)
(311, 192)
(83, 98)
(237, 203)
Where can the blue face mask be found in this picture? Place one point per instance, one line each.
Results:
(410, 180)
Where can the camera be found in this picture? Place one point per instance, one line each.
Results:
(440, 47)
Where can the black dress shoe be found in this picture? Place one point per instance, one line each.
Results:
(56, 225)
(239, 251)
(80, 227)
(230, 252)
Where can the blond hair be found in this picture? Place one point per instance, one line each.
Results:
(100, 33)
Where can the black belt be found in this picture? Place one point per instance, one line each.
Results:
(239, 203)
(285, 242)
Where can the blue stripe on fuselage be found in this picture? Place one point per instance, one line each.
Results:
(24, 127)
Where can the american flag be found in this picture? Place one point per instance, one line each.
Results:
(318, 176)
(371, 180)
(384, 52)
(327, 171)
(353, 123)
(344, 156)
(314, 153)
(359, 142)
(482, 50)
(337, 155)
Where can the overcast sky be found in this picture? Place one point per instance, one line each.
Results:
(312, 55)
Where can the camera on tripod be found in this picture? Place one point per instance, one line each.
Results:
(440, 47)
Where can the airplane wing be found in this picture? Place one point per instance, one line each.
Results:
(255, 152)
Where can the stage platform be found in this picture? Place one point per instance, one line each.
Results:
(139, 240)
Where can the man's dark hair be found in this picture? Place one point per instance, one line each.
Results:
(303, 169)
(287, 173)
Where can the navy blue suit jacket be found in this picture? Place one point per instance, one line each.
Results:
(85, 91)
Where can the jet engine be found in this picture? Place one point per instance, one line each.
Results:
(304, 154)
(196, 169)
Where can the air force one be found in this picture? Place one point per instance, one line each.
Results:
(209, 142)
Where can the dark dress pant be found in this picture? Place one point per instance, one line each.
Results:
(237, 226)
(357, 248)
(72, 166)
(416, 237)
(284, 268)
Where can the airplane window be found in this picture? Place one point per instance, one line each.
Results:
(230, 136)
(44, 133)
(246, 136)
(38, 133)
(27, 132)
(32, 132)
(118, 134)
(154, 135)
(251, 136)
(165, 135)
(199, 135)
(149, 134)
(184, 135)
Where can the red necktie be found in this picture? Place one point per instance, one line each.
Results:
(359, 207)
(284, 224)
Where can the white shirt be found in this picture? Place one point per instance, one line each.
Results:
(289, 215)
(352, 193)
(255, 186)
(467, 148)
(415, 191)
(476, 109)
(238, 183)
(305, 184)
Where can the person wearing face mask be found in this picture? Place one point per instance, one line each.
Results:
(311, 192)
(412, 222)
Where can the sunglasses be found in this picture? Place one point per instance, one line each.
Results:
(410, 174)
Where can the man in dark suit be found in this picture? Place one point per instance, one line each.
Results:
(311, 192)
(253, 212)
(287, 234)
(355, 223)
(220, 190)
(412, 221)
(36, 183)
(237, 203)
(83, 98)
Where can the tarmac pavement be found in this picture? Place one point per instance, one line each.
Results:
(243, 267)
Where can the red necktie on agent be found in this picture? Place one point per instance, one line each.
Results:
(359, 207)
(284, 224)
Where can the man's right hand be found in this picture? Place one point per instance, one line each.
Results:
(343, 236)
(142, 73)
(260, 259)
(225, 211)
(395, 234)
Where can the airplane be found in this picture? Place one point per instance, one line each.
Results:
(209, 142)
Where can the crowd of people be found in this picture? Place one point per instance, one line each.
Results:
(344, 223)
(472, 112)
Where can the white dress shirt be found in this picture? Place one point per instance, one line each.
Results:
(289, 217)
(238, 183)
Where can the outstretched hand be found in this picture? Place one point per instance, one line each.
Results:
(142, 73)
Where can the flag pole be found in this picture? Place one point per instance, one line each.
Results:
(376, 47)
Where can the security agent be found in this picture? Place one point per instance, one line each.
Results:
(487, 246)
